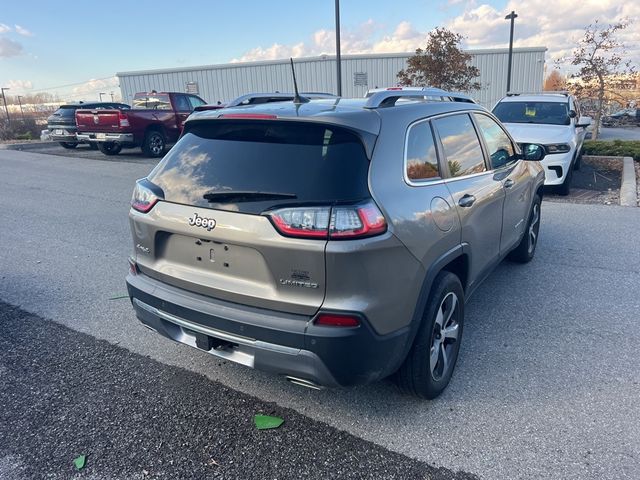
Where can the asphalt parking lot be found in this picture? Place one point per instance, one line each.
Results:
(546, 387)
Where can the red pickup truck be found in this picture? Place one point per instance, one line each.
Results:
(154, 120)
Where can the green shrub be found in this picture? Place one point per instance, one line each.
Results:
(615, 148)
(19, 130)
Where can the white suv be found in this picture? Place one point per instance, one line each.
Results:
(551, 119)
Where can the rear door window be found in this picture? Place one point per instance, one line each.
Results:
(182, 103)
(421, 158)
(294, 162)
(460, 144)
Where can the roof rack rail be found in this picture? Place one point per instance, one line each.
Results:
(388, 97)
(566, 93)
(251, 98)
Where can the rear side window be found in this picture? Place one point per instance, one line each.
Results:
(460, 144)
(421, 158)
(152, 102)
(182, 103)
(501, 151)
(66, 111)
(295, 163)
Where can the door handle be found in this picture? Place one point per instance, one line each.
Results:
(467, 200)
(508, 183)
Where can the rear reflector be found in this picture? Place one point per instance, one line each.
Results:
(133, 266)
(339, 223)
(337, 320)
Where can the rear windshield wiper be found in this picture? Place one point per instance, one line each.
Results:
(247, 196)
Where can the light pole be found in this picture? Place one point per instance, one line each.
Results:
(111, 93)
(102, 93)
(338, 60)
(512, 16)
(4, 99)
(20, 103)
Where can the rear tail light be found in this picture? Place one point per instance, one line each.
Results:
(339, 223)
(143, 199)
(123, 120)
(337, 320)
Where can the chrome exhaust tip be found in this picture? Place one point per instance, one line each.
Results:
(303, 383)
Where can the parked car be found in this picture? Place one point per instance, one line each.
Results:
(551, 119)
(62, 123)
(154, 120)
(622, 118)
(332, 242)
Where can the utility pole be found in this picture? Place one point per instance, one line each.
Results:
(102, 93)
(512, 16)
(111, 93)
(338, 59)
(4, 99)
(20, 103)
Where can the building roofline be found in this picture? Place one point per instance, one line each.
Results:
(363, 56)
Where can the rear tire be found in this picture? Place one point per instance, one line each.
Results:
(154, 144)
(429, 365)
(526, 249)
(68, 145)
(109, 148)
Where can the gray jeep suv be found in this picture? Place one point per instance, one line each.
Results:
(333, 241)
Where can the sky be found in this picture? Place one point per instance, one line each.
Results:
(46, 46)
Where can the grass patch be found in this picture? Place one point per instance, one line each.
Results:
(615, 148)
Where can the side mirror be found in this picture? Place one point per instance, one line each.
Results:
(532, 152)
(572, 114)
(583, 122)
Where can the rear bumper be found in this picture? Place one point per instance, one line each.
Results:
(106, 137)
(64, 133)
(277, 342)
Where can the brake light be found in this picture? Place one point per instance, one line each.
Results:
(337, 320)
(123, 120)
(143, 199)
(251, 116)
(336, 223)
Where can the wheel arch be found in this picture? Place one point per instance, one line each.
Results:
(456, 261)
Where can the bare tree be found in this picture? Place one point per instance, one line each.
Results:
(555, 82)
(602, 62)
(441, 64)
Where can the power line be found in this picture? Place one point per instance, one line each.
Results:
(69, 85)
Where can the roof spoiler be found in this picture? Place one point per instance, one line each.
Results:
(547, 92)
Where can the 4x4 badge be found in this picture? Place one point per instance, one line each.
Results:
(196, 221)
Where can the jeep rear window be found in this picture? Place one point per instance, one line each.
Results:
(315, 163)
(548, 113)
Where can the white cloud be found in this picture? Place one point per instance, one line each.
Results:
(9, 48)
(4, 28)
(557, 26)
(19, 86)
(93, 87)
(23, 31)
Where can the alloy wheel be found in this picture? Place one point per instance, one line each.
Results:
(444, 336)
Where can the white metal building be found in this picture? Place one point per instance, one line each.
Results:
(318, 74)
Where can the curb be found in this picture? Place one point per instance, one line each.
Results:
(628, 192)
(27, 146)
